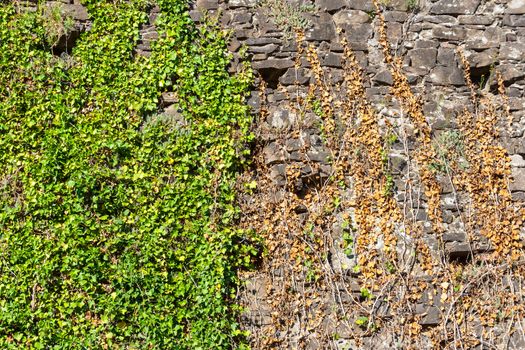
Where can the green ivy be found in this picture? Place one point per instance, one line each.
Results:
(117, 225)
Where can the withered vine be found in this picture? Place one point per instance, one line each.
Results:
(376, 269)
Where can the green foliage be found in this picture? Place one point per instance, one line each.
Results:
(115, 223)
(362, 321)
(449, 148)
(317, 108)
(390, 267)
(365, 293)
(55, 22)
(348, 243)
(289, 18)
(412, 5)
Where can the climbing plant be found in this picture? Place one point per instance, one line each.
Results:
(116, 226)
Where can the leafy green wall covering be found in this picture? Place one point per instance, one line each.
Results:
(115, 223)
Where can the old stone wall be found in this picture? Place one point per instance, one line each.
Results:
(426, 34)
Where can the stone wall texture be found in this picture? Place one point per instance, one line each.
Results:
(426, 34)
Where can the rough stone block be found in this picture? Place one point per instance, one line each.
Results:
(451, 75)
(263, 22)
(456, 236)
(348, 17)
(451, 34)
(266, 49)
(449, 202)
(446, 55)
(516, 7)
(383, 77)
(358, 33)
(207, 4)
(330, 5)
(514, 145)
(255, 101)
(484, 58)
(489, 38)
(364, 5)
(295, 76)
(241, 3)
(517, 161)
(332, 60)
(278, 174)
(323, 29)
(242, 33)
(423, 58)
(259, 57)
(396, 16)
(519, 179)
(455, 7)
(398, 163)
(262, 41)
(319, 156)
(426, 44)
(431, 316)
(514, 20)
(394, 31)
(274, 64)
(241, 17)
(78, 12)
(512, 51)
(281, 118)
(273, 154)
(293, 145)
(510, 73)
(440, 19)
(517, 104)
(476, 20)
(458, 250)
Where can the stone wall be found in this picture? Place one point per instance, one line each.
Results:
(426, 34)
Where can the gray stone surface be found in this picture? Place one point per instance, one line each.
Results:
(443, 75)
(512, 51)
(519, 179)
(330, 5)
(323, 29)
(516, 7)
(455, 7)
(485, 39)
(274, 64)
(359, 33)
(348, 17)
(423, 58)
(517, 161)
(514, 20)
(450, 34)
(77, 11)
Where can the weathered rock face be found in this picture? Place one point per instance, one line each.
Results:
(490, 33)
(454, 7)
